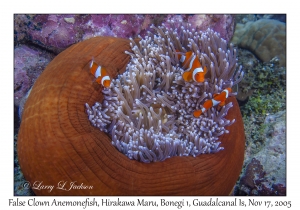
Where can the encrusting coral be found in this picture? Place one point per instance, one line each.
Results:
(148, 110)
(266, 38)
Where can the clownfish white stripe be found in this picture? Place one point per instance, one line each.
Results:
(214, 102)
(104, 78)
(91, 65)
(182, 58)
(218, 99)
(98, 72)
(191, 62)
(197, 70)
(227, 92)
(193, 70)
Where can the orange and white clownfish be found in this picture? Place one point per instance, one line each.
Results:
(218, 99)
(194, 71)
(100, 73)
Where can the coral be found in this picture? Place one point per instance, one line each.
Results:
(57, 142)
(266, 38)
(244, 18)
(148, 111)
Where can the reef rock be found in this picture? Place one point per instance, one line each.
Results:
(29, 63)
(265, 172)
(223, 24)
(57, 32)
(266, 38)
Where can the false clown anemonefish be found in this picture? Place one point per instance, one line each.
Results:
(218, 99)
(194, 71)
(100, 73)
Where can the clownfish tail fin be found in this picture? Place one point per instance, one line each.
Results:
(187, 76)
(197, 113)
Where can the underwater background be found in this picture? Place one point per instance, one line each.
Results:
(261, 43)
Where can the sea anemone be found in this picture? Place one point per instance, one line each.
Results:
(148, 110)
(56, 140)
